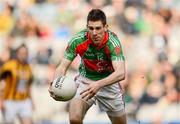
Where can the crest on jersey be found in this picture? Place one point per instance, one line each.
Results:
(117, 50)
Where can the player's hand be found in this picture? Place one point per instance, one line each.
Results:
(90, 91)
(53, 95)
(51, 92)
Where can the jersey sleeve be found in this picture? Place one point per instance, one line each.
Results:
(6, 69)
(70, 53)
(116, 50)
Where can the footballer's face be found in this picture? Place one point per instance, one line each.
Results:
(22, 55)
(97, 31)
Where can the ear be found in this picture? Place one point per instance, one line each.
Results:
(106, 27)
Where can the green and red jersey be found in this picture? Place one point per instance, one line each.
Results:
(96, 61)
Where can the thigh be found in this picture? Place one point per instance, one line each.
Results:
(110, 98)
(25, 111)
(118, 119)
(10, 111)
(78, 109)
(26, 120)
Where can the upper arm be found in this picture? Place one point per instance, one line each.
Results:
(119, 66)
(117, 56)
(6, 70)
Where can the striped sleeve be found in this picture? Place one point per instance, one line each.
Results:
(116, 50)
(70, 52)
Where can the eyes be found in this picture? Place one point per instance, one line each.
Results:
(95, 28)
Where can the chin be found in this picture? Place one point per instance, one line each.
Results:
(96, 42)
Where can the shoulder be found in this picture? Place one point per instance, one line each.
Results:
(113, 39)
(112, 34)
(79, 37)
(11, 62)
(9, 65)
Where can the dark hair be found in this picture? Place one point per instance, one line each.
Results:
(96, 15)
(21, 46)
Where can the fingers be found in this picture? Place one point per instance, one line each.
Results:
(51, 83)
(53, 95)
(84, 91)
(51, 92)
(87, 94)
(50, 88)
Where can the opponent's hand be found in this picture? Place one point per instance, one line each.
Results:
(90, 91)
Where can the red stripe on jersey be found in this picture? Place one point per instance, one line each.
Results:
(82, 48)
(98, 65)
(91, 64)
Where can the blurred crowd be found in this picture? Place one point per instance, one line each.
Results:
(148, 29)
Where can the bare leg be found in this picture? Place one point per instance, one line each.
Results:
(118, 120)
(25, 120)
(77, 111)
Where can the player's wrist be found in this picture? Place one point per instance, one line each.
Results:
(100, 84)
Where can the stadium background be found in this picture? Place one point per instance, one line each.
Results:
(148, 29)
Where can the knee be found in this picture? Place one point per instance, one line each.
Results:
(75, 120)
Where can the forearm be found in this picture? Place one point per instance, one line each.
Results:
(93, 88)
(113, 78)
(116, 76)
(62, 68)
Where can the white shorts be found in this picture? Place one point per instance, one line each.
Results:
(17, 108)
(109, 98)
